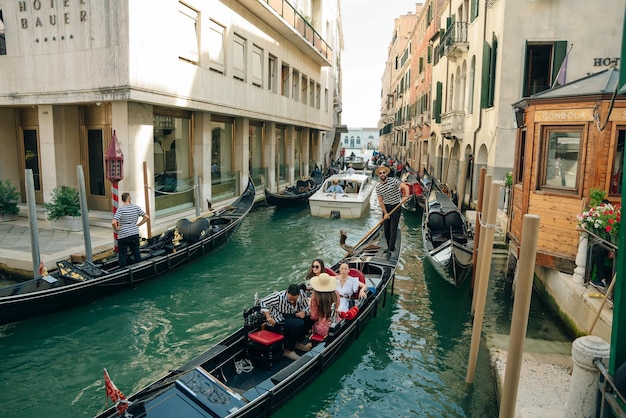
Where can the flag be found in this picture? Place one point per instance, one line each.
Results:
(115, 394)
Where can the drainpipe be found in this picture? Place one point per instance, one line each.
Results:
(480, 111)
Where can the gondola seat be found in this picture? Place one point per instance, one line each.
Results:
(317, 338)
(359, 275)
(265, 348)
(454, 223)
(330, 271)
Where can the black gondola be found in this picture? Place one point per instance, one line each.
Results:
(295, 195)
(418, 189)
(73, 284)
(239, 377)
(447, 241)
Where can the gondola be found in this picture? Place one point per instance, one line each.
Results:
(447, 241)
(242, 377)
(295, 195)
(418, 188)
(73, 284)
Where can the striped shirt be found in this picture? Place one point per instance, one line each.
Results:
(390, 191)
(278, 305)
(127, 217)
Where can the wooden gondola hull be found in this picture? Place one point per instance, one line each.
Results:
(37, 297)
(447, 241)
(261, 390)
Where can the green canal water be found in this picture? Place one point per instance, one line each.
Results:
(410, 361)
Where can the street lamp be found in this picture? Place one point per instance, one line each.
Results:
(114, 165)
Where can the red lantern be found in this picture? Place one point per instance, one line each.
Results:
(114, 161)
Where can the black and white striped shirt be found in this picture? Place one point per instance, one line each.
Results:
(127, 217)
(390, 191)
(278, 304)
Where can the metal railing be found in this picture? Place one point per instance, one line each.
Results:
(610, 402)
(301, 25)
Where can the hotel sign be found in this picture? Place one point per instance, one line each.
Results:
(46, 14)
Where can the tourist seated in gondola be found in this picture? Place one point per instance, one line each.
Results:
(317, 267)
(347, 286)
(291, 309)
(323, 296)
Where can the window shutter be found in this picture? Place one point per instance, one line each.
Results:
(558, 55)
(492, 70)
(474, 10)
(437, 104)
(484, 85)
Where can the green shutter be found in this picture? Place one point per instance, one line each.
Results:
(437, 104)
(558, 55)
(474, 10)
(484, 85)
(492, 70)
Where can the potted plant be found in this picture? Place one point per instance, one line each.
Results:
(9, 197)
(64, 208)
(603, 219)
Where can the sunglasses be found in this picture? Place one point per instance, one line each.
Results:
(316, 266)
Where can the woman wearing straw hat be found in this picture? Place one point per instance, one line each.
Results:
(323, 297)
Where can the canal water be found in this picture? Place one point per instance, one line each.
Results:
(410, 361)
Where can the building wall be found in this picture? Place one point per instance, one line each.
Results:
(128, 58)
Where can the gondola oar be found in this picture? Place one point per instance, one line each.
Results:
(351, 249)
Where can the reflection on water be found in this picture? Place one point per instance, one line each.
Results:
(410, 361)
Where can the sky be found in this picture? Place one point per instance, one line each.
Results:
(367, 31)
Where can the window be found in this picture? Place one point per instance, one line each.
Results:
(285, 78)
(257, 66)
(239, 58)
(617, 175)
(215, 39)
(543, 61)
(188, 33)
(173, 173)
(281, 157)
(312, 93)
(3, 43)
(520, 157)
(255, 131)
(271, 73)
(560, 149)
(295, 84)
(305, 86)
(224, 180)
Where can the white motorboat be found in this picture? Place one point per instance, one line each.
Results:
(353, 202)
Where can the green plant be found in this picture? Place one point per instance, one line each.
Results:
(596, 196)
(65, 202)
(508, 181)
(9, 196)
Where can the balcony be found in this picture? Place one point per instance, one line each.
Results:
(454, 41)
(453, 123)
(281, 16)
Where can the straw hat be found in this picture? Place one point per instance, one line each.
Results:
(324, 283)
(382, 168)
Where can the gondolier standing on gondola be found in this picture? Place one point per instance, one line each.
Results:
(125, 223)
(391, 193)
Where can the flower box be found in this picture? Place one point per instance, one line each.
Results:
(603, 221)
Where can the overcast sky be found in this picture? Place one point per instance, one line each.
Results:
(367, 30)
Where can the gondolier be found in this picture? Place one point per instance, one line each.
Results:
(125, 223)
(390, 193)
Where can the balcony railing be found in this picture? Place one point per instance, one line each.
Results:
(453, 122)
(454, 41)
(295, 21)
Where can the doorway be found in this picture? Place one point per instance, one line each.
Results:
(95, 138)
